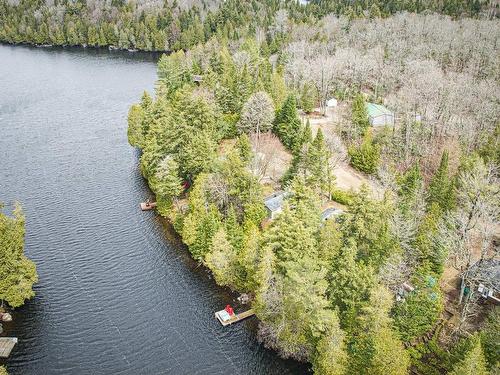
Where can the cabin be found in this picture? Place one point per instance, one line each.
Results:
(274, 204)
(378, 115)
(330, 213)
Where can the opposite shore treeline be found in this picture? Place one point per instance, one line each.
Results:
(170, 26)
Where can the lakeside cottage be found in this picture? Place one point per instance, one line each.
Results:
(274, 204)
(378, 115)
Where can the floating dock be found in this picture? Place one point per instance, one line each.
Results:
(235, 318)
(146, 206)
(6, 346)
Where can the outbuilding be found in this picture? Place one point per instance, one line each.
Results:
(330, 213)
(378, 115)
(274, 204)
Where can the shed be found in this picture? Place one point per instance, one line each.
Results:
(274, 204)
(378, 115)
(329, 213)
(331, 102)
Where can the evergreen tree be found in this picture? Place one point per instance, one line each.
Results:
(490, 339)
(365, 157)
(367, 225)
(331, 356)
(166, 182)
(421, 308)
(429, 252)
(250, 257)
(474, 362)
(318, 165)
(375, 349)
(350, 284)
(308, 97)
(221, 258)
(287, 125)
(307, 135)
(409, 184)
(198, 154)
(135, 131)
(17, 272)
(244, 148)
(330, 241)
(359, 115)
(441, 188)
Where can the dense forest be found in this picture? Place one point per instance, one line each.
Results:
(17, 272)
(367, 292)
(174, 25)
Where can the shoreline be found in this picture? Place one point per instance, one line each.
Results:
(110, 48)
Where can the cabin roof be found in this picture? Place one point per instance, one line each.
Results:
(329, 212)
(375, 110)
(275, 202)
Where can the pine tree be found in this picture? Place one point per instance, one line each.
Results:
(221, 258)
(331, 356)
(307, 135)
(166, 182)
(360, 115)
(474, 362)
(317, 163)
(375, 349)
(350, 283)
(287, 125)
(365, 157)
(250, 257)
(367, 224)
(429, 253)
(490, 339)
(198, 154)
(244, 148)
(421, 308)
(308, 97)
(135, 131)
(305, 203)
(441, 188)
(330, 241)
(17, 272)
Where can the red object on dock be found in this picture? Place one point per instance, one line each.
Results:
(229, 310)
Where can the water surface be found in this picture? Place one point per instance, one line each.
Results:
(116, 295)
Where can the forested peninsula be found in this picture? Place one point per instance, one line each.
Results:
(246, 147)
(172, 25)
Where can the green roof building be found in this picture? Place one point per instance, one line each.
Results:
(378, 115)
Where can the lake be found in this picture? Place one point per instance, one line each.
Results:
(118, 294)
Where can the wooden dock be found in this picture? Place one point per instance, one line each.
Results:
(6, 346)
(146, 206)
(235, 318)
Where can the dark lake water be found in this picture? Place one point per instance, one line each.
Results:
(116, 294)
